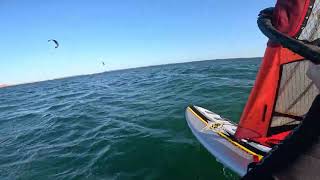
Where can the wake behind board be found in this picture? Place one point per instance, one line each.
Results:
(216, 134)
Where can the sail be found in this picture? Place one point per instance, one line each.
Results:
(282, 93)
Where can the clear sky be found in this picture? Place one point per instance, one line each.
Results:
(122, 33)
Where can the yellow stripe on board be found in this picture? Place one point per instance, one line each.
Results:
(227, 138)
(197, 116)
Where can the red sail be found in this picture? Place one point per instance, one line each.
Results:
(282, 93)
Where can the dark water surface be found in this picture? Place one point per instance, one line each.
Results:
(125, 124)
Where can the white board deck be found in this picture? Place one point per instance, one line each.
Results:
(213, 132)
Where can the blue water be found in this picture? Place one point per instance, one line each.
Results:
(126, 124)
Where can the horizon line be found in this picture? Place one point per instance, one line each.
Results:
(3, 85)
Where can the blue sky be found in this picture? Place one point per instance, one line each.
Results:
(122, 33)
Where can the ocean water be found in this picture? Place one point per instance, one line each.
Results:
(126, 124)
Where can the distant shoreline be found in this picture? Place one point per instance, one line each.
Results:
(3, 85)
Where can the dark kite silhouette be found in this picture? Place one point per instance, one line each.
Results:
(55, 41)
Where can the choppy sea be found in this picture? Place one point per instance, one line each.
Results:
(126, 124)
